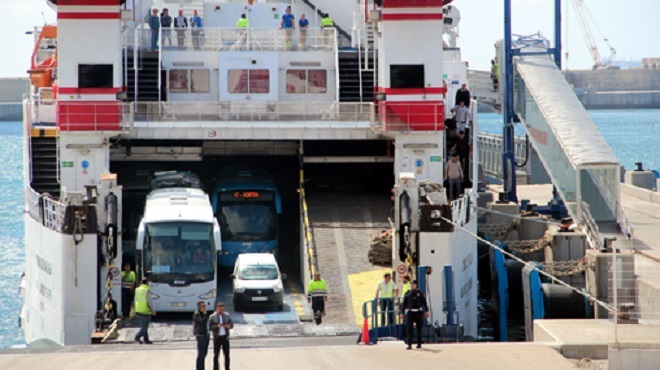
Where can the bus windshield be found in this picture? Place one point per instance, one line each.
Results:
(247, 219)
(179, 250)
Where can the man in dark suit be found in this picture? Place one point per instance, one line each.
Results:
(220, 324)
(463, 95)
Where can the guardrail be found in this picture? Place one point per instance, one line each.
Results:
(589, 226)
(233, 39)
(490, 148)
(404, 117)
(459, 210)
(92, 116)
(250, 111)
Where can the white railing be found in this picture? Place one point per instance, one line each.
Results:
(52, 213)
(459, 210)
(43, 111)
(589, 226)
(233, 39)
(249, 111)
(490, 153)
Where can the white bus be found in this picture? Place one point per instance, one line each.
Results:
(177, 244)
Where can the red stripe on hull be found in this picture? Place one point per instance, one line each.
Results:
(412, 17)
(87, 15)
(412, 116)
(88, 2)
(90, 91)
(413, 4)
(418, 91)
(89, 116)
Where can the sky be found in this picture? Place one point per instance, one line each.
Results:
(633, 29)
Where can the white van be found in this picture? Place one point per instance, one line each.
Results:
(257, 281)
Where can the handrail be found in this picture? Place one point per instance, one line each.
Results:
(45, 210)
(376, 316)
(590, 226)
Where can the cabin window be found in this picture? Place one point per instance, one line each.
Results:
(95, 76)
(248, 81)
(189, 81)
(311, 81)
(407, 76)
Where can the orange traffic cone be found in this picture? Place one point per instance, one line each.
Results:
(365, 333)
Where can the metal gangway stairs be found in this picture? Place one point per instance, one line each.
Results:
(580, 163)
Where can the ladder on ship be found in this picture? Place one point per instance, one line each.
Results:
(44, 165)
(145, 63)
(357, 77)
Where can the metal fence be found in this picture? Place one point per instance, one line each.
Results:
(490, 153)
(232, 39)
(249, 111)
(49, 212)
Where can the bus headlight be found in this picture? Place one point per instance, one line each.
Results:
(239, 290)
(208, 295)
(154, 296)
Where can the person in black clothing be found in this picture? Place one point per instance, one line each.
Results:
(414, 305)
(462, 148)
(201, 332)
(463, 95)
(166, 24)
(220, 324)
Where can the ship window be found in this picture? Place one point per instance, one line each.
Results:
(189, 81)
(407, 76)
(179, 80)
(300, 81)
(248, 81)
(199, 81)
(95, 75)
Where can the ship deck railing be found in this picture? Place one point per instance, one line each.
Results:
(233, 39)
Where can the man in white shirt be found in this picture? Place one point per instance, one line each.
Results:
(220, 324)
(385, 293)
(462, 115)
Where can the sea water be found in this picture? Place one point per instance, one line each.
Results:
(632, 134)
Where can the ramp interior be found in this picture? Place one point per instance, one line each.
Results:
(579, 161)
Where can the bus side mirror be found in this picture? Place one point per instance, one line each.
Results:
(216, 236)
(139, 243)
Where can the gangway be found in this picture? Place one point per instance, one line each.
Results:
(580, 163)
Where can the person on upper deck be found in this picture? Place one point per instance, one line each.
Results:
(166, 23)
(180, 24)
(197, 25)
(463, 95)
(303, 25)
(288, 24)
(327, 24)
(154, 25)
(242, 22)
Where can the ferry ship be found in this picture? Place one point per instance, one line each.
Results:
(364, 101)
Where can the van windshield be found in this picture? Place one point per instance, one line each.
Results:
(258, 272)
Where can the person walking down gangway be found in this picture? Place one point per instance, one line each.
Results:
(220, 324)
(201, 333)
(144, 310)
(317, 295)
(415, 309)
(385, 293)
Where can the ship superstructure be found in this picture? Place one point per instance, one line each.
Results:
(109, 110)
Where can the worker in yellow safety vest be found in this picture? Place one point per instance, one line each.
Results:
(242, 22)
(327, 24)
(144, 310)
(385, 294)
(317, 295)
(495, 74)
(127, 289)
(406, 285)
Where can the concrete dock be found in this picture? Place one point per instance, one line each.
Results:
(292, 354)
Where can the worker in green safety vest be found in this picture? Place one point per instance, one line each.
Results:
(406, 285)
(127, 289)
(317, 295)
(327, 24)
(386, 292)
(144, 310)
(242, 22)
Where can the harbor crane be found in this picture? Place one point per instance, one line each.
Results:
(584, 18)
